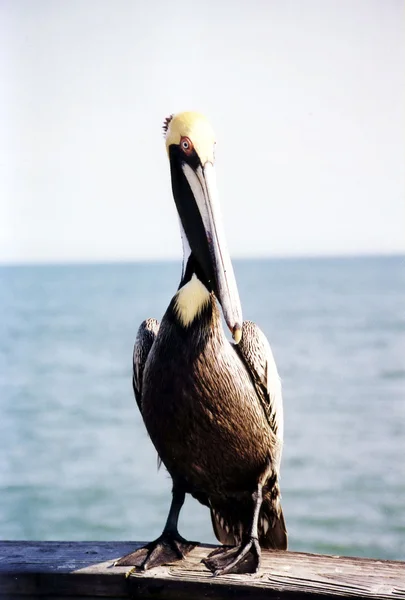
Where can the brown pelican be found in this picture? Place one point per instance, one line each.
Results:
(212, 408)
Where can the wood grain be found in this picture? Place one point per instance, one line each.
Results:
(84, 570)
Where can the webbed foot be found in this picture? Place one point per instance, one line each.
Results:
(235, 559)
(165, 549)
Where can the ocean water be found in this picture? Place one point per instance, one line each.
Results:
(76, 462)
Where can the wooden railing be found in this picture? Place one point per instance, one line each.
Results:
(84, 570)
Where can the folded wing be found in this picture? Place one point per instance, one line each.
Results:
(145, 337)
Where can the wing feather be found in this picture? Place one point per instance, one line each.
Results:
(255, 351)
(145, 337)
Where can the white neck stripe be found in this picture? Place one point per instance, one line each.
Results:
(190, 300)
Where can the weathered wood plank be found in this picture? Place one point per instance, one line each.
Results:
(85, 571)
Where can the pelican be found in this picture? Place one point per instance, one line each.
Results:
(213, 408)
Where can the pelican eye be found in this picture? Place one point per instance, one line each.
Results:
(186, 145)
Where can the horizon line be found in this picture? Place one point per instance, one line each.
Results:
(128, 261)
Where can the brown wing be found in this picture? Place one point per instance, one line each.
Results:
(145, 337)
(230, 520)
(255, 351)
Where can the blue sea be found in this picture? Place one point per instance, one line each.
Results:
(76, 462)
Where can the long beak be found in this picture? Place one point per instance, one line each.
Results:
(213, 255)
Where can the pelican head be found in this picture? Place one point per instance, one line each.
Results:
(190, 144)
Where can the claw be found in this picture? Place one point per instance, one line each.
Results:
(238, 559)
(128, 573)
(165, 549)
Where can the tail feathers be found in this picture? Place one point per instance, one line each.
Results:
(232, 520)
(272, 529)
(227, 524)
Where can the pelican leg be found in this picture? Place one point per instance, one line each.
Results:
(168, 547)
(244, 558)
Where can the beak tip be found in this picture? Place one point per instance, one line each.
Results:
(237, 333)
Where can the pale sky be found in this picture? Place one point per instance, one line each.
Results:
(306, 97)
